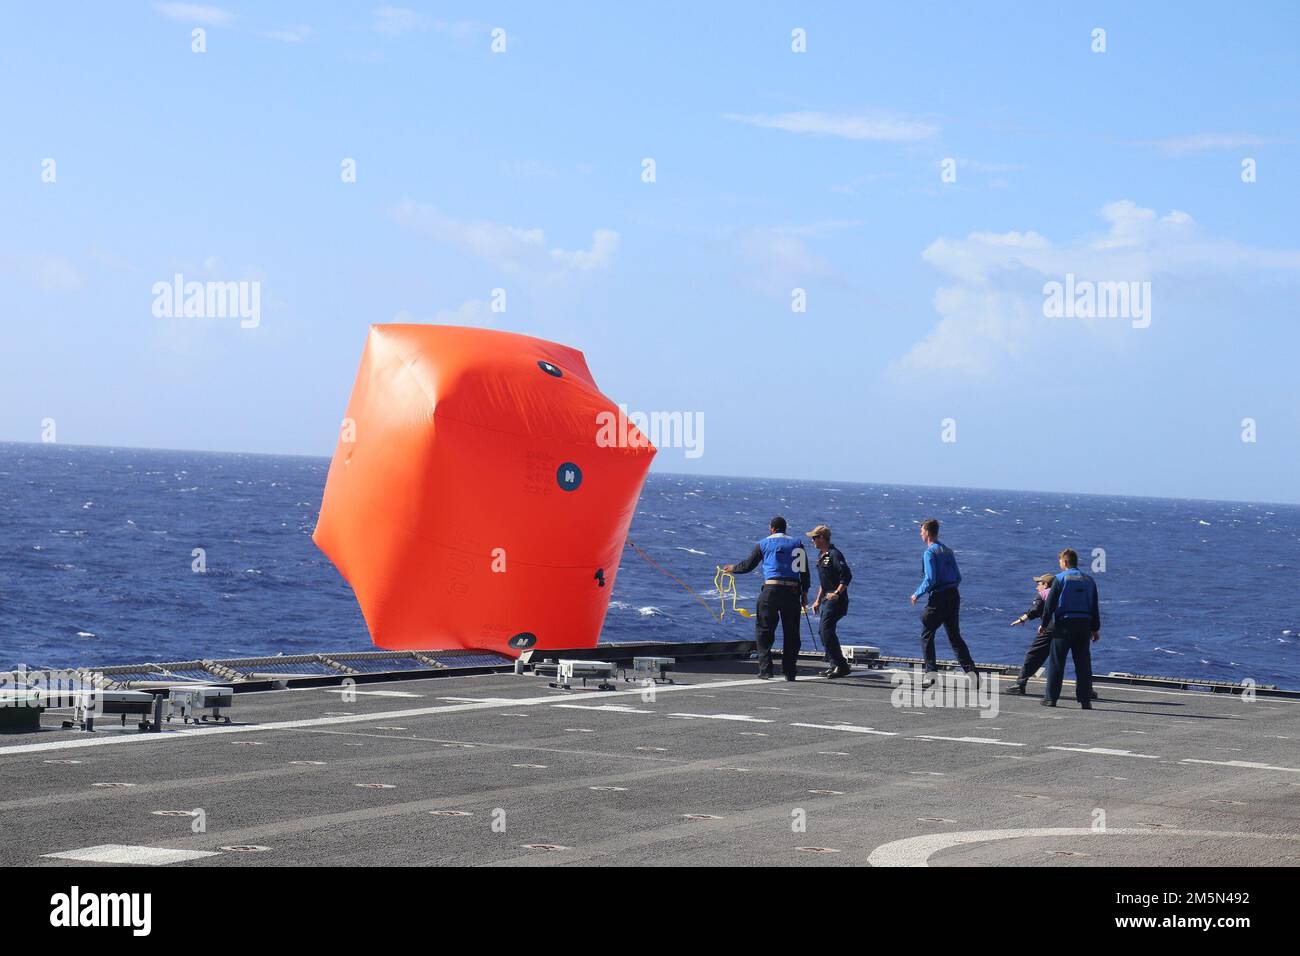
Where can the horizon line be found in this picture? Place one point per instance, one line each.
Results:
(683, 474)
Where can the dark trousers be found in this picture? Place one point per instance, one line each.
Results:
(1035, 657)
(1073, 638)
(831, 612)
(777, 603)
(942, 610)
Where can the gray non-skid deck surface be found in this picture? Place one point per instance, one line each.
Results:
(286, 777)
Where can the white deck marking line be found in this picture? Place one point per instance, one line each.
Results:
(611, 708)
(478, 700)
(1106, 752)
(1243, 764)
(848, 727)
(969, 740)
(369, 693)
(745, 718)
(196, 732)
(121, 853)
(495, 747)
(916, 851)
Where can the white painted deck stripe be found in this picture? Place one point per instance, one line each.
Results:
(122, 853)
(1243, 764)
(969, 740)
(88, 740)
(850, 728)
(916, 851)
(744, 718)
(611, 708)
(1106, 752)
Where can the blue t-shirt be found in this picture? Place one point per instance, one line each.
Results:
(939, 565)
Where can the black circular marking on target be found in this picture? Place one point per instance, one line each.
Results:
(523, 640)
(568, 476)
(550, 369)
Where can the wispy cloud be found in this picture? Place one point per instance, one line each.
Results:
(298, 34)
(879, 127)
(991, 305)
(45, 272)
(604, 243)
(776, 260)
(507, 246)
(196, 13)
(823, 227)
(472, 312)
(1206, 142)
(395, 21)
(979, 166)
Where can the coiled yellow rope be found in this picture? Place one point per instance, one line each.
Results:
(723, 581)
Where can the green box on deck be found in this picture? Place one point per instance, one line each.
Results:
(20, 710)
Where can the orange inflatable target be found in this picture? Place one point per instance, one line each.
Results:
(473, 499)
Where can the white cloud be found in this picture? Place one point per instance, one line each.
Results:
(298, 34)
(776, 260)
(47, 273)
(823, 227)
(472, 312)
(991, 307)
(604, 242)
(980, 330)
(196, 13)
(879, 127)
(395, 21)
(507, 246)
(1206, 142)
(978, 166)
(460, 29)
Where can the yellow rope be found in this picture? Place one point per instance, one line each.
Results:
(723, 581)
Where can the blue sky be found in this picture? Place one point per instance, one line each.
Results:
(774, 170)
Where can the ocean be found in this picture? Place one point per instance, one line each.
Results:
(97, 553)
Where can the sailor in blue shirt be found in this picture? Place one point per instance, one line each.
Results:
(785, 592)
(1074, 605)
(942, 601)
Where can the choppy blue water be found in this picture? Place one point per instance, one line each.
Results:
(96, 551)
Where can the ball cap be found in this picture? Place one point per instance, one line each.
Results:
(1045, 579)
(821, 531)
